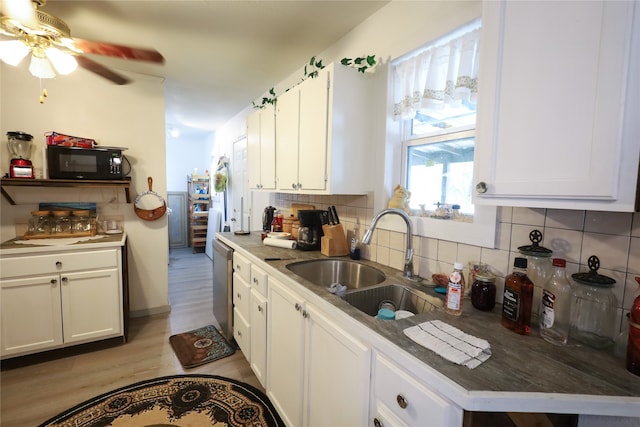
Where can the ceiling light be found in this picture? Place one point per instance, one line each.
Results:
(13, 51)
(62, 62)
(174, 133)
(41, 67)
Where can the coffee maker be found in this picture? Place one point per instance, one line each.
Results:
(310, 231)
(267, 218)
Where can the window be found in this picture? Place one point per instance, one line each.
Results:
(435, 99)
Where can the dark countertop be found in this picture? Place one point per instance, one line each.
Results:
(524, 373)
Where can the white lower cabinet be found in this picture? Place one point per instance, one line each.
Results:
(399, 400)
(250, 314)
(57, 299)
(318, 375)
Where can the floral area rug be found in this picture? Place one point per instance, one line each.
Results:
(200, 346)
(180, 400)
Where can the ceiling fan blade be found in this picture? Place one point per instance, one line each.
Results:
(101, 70)
(118, 51)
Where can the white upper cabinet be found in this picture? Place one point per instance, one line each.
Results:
(261, 149)
(322, 130)
(559, 102)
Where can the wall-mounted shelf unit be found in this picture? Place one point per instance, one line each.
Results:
(199, 200)
(10, 186)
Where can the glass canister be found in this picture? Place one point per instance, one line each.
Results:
(39, 223)
(61, 222)
(483, 291)
(539, 268)
(593, 308)
(80, 221)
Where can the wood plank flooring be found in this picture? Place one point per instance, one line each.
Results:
(32, 394)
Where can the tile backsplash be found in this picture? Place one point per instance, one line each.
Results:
(571, 234)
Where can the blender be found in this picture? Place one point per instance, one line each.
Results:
(20, 147)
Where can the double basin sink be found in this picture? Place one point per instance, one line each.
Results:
(366, 287)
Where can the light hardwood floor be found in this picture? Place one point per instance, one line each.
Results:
(32, 394)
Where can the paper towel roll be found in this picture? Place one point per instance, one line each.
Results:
(280, 243)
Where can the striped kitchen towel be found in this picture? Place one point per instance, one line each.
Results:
(450, 342)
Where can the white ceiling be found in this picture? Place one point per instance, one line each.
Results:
(220, 55)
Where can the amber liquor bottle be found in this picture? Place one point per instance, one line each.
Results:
(517, 299)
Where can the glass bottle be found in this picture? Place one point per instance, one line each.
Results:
(555, 305)
(517, 299)
(633, 342)
(455, 290)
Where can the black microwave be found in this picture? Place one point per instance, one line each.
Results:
(85, 163)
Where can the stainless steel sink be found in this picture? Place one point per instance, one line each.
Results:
(399, 296)
(325, 272)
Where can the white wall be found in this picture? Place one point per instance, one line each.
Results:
(393, 31)
(185, 154)
(83, 104)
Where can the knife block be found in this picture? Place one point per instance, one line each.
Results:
(334, 242)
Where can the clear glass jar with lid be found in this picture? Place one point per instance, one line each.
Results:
(593, 308)
(61, 222)
(39, 223)
(81, 221)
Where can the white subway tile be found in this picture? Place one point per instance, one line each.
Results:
(447, 251)
(564, 218)
(565, 244)
(528, 216)
(613, 251)
(633, 266)
(618, 223)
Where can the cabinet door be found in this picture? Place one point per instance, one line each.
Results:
(261, 149)
(287, 136)
(259, 336)
(285, 359)
(253, 150)
(31, 318)
(312, 156)
(552, 103)
(91, 305)
(241, 295)
(338, 365)
(268, 148)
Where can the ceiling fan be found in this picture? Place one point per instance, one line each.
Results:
(48, 39)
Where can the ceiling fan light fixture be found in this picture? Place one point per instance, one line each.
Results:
(62, 62)
(41, 67)
(13, 52)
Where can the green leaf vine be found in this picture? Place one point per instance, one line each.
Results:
(312, 69)
(361, 63)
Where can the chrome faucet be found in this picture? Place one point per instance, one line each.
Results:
(408, 261)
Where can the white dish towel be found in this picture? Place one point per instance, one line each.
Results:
(450, 342)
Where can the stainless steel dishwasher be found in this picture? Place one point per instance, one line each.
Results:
(222, 288)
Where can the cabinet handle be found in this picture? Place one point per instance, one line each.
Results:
(65, 280)
(255, 280)
(58, 264)
(377, 422)
(294, 186)
(481, 187)
(238, 267)
(305, 314)
(239, 296)
(239, 334)
(402, 402)
(54, 281)
(259, 308)
(298, 307)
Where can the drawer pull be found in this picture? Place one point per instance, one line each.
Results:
(305, 314)
(239, 296)
(402, 402)
(239, 334)
(255, 280)
(54, 281)
(58, 264)
(260, 308)
(65, 280)
(377, 422)
(298, 307)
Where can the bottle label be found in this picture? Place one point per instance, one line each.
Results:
(548, 313)
(454, 295)
(511, 305)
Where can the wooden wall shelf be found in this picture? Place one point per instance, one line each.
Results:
(61, 183)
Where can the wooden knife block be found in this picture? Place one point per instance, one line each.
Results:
(334, 241)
